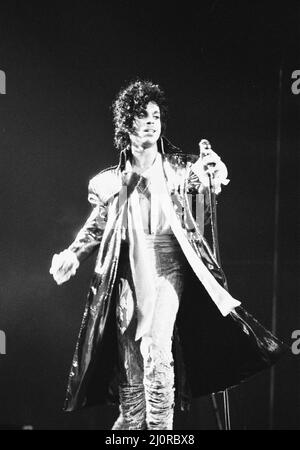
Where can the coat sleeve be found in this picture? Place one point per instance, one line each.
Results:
(90, 235)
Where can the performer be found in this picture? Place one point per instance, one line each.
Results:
(158, 306)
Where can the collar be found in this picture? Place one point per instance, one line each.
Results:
(151, 171)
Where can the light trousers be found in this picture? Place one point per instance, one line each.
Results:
(146, 369)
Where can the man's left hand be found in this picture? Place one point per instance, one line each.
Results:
(210, 164)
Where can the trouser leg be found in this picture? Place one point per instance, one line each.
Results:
(156, 350)
(132, 408)
(159, 388)
(146, 366)
(131, 388)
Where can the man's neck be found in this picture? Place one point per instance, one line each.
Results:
(143, 158)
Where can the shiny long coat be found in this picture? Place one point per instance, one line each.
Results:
(211, 352)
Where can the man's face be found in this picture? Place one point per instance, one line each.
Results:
(147, 126)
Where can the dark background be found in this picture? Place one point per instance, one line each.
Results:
(219, 63)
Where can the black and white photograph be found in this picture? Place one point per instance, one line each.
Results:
(149, 157)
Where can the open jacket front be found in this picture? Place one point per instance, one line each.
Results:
(211, 352)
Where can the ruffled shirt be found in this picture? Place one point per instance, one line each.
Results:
(153, 218)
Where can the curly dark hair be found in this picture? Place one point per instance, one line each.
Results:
(132, 101)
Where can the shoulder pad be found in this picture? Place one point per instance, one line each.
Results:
(106, 183)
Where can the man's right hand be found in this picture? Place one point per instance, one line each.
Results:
(64, 266)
